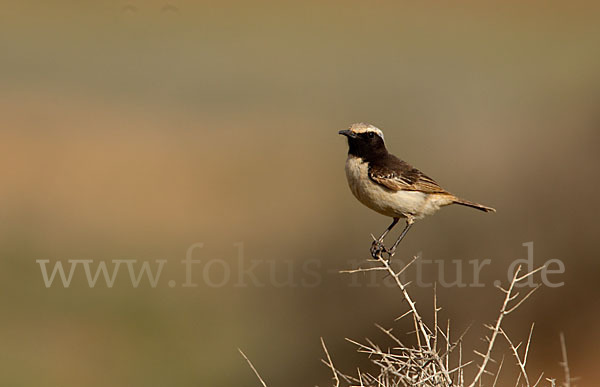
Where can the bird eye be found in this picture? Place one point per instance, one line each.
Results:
(371, 134)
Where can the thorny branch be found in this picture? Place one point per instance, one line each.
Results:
(430, 362)
(436, 360)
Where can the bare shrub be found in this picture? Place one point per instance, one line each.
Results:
(437, 359)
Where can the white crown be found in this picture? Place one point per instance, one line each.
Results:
(364, 128)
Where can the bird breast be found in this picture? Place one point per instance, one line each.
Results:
(388, 202)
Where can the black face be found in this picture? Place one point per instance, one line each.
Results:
(365, 145)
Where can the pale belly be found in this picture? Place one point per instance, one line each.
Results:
(391, 203)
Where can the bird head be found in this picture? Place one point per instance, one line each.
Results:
(364, 140)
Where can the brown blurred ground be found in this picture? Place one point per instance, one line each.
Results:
(135, 132)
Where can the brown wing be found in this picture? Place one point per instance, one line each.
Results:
(398, 175)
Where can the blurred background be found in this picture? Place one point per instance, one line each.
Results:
(132, 130)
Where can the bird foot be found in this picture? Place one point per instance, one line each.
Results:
(390, 253)
(377, 249)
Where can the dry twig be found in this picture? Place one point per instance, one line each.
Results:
(565, 362)
(427, 364)
(253, 369)
(435, 360)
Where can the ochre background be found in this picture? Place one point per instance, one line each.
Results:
(131, 131)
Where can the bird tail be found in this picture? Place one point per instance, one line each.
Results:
(478, 206)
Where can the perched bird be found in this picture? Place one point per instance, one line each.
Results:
(390, 186)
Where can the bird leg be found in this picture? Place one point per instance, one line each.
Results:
(377, 246)
(392, 251)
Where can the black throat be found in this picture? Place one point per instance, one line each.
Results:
(368, 151)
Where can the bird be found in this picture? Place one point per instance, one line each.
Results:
(390, 186)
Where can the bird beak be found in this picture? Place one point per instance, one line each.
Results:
(348, 133)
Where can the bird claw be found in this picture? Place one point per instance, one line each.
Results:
(377, 249)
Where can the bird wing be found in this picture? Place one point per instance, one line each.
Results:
(398, 175)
